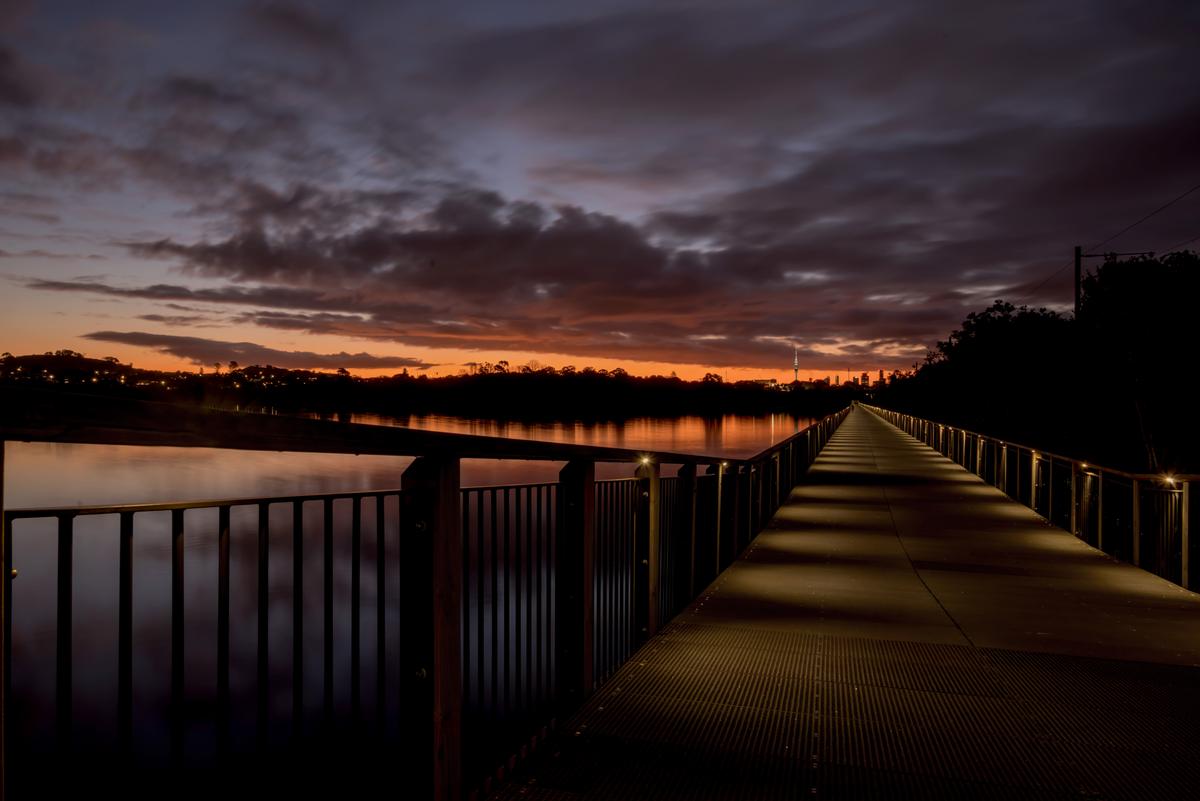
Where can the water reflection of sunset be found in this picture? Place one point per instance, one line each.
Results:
(729, 435)
(47, 474)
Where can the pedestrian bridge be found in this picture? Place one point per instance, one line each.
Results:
(875, 607)
(900, 629)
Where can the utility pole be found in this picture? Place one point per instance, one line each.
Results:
(1079, 277)
(1080, 256)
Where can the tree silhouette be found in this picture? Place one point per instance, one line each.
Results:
(1107, 387)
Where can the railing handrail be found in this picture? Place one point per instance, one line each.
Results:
(39, 416)
(1081, 463)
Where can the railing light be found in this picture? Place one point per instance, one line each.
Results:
(1169, 480)
(645, 460)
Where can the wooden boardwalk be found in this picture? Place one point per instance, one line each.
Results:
(900, 630)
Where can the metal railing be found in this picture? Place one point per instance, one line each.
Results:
(477, 617)
(1141, 518)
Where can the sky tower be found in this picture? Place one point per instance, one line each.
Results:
(795, 365)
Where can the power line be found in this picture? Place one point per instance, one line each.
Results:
(1131, 226)
(1178, 245)
(1127, 228)
(1046, 280)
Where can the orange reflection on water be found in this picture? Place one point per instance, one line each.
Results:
(46, 474)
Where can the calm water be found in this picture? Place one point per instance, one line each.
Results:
(41, 474)
(64, 475)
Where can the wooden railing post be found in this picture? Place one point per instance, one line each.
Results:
(1100, 509)
(745, 509)
(1137, 523)
(645, 551)
(686, 575)
(431, 619)
(1184, 533)
(1033, 480)
(1074, 499)
(1049, 471)
(777, 489)
(793, 467)
(721, 520)
(575, 568)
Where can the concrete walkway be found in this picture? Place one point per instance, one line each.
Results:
(901, 630)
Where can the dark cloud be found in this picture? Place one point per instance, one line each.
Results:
(690, 182)
(287, 297)
(46, 254)
(184, 89)
(198, 320)
(208, 351)
(16, 89)
(296, 25)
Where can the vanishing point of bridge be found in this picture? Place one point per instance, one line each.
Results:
(901, 626)
(901, 629)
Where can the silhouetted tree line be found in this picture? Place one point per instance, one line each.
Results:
(1110, 387)
(492, 390)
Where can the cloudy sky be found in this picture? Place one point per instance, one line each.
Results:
(666, 186)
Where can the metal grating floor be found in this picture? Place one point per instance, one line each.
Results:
(861, 649)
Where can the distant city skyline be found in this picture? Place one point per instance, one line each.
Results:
(691, 188)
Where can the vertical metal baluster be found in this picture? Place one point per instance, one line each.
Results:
(63, 682)
(617, 572)
(380, 616)
(297, 619)
(614, 609)
(177, 704)
(512, 520)
(468, 602)
(606, 614)
(125, 639)
(599, 609)
(327, 567)
(507, 573)
(612, 577)
(223, 631)
(627, 554)
(480, 596)
(534, 634)
(355, 610)
(549, 516)
(264, 602)
(497, 692)
(522, 600)
(544, 639)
